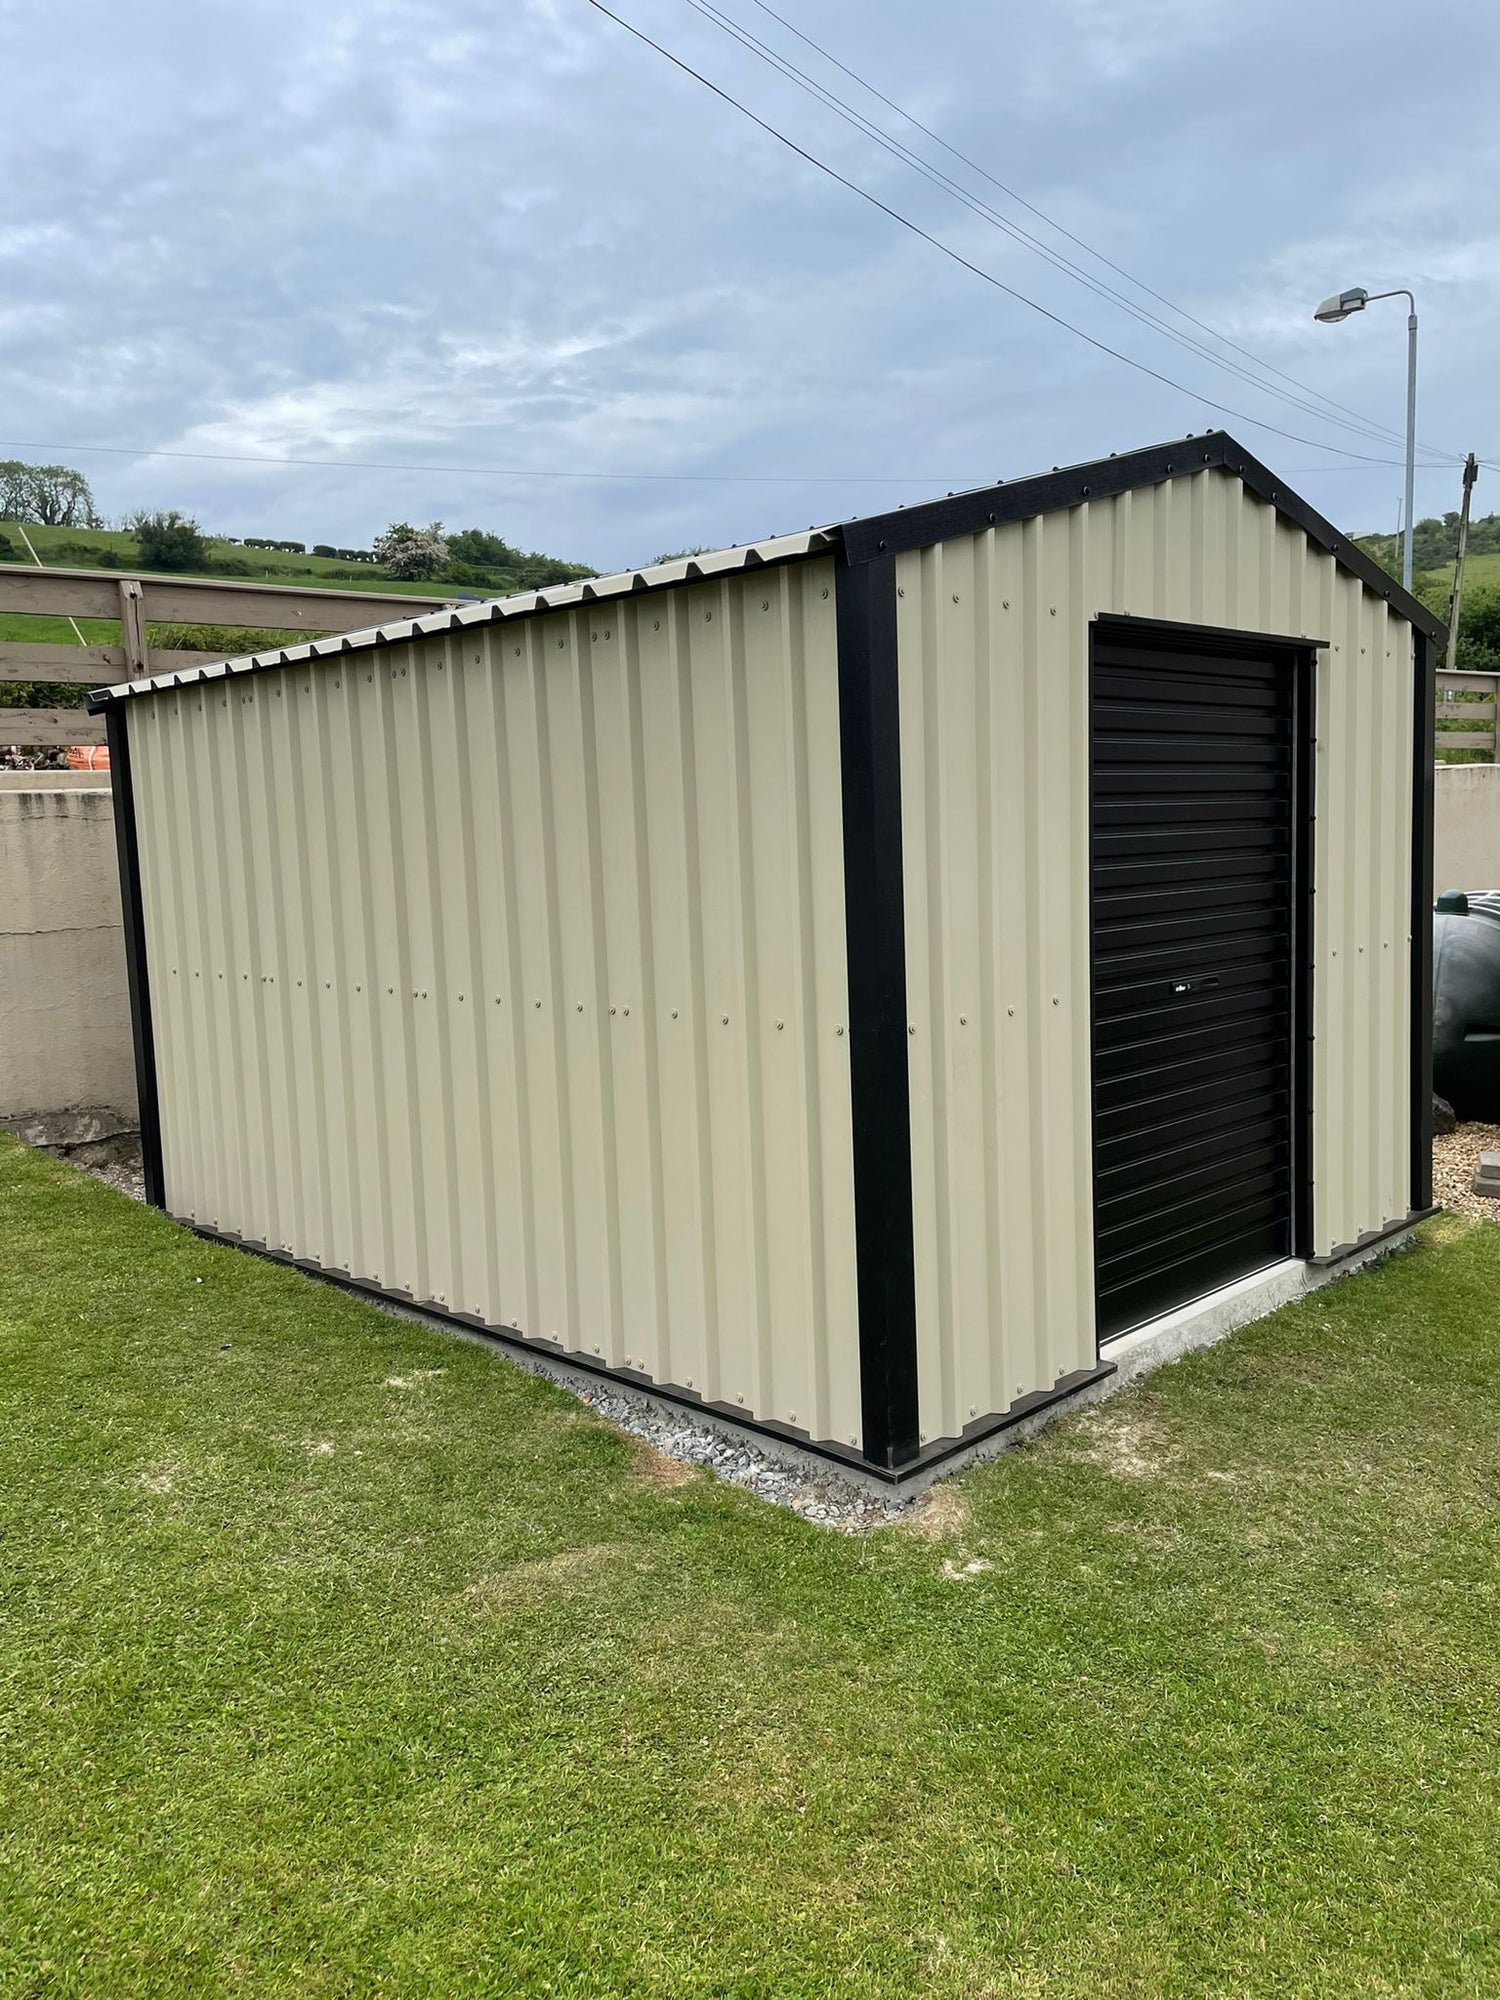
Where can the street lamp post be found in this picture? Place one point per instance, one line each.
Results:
(1340, 306)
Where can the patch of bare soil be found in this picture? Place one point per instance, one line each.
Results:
(1118, 1439)
(655, 1468)
(938, 1516)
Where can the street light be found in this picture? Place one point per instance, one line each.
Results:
(1355, 300)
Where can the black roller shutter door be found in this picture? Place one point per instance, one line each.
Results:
(1195, 875)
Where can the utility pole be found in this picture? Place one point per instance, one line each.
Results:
(1471, 473)
(1411, 440)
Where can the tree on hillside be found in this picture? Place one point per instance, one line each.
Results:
(1479, 631)
(478, 557)
(482, 550)
(54, 496)
(1434, 542)
(412, 554)
(169, 540)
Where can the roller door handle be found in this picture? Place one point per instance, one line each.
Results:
(1204, 984)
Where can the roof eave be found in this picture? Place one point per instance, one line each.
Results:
(590, 591)
(1072, 485)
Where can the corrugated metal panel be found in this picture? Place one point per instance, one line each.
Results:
(506, 969)
(498, 610)
(995, 823)
(994, 680)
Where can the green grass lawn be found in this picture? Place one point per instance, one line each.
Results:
(340, 1657)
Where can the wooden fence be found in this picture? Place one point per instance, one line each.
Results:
(1476, 716)
(133, 602)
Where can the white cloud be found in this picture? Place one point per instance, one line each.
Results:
(444, 232)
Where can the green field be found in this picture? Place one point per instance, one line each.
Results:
(1434, 586)
(269, 566)
(342, 1658)
(266, 565)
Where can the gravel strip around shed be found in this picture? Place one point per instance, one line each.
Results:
(821, 1496)
(814, 1494)
(1455, 1155)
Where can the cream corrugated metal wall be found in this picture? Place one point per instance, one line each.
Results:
(993, 636)
(507, 970)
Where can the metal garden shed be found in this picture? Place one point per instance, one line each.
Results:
(858, 983)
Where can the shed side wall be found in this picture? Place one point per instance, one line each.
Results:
(994, 649)
(507, 970)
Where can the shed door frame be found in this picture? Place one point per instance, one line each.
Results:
(1299, 658)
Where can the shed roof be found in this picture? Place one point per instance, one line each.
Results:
(965, 513)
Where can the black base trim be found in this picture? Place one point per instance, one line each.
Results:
(844, 1456)
(1342, 1250)
(1062, 1391)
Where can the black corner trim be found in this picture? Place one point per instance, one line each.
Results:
(885, 1258)
(1069, 486)
(1304, 935)
(138, 978)
(1423, 760)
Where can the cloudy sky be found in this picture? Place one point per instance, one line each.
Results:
(503, 239)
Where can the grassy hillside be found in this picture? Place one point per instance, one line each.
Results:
(88, 548)
(78, 548)
(230, 562)
(1482, 569)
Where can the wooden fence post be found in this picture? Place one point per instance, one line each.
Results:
(133, 627)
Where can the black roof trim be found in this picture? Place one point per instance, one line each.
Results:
(1069, 486)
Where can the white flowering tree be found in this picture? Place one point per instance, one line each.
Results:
(412, 554)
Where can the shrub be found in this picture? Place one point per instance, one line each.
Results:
(169, 540)
(227, 641)
(482, 558)
(412, 554)
(86, 555)
(1479, 630)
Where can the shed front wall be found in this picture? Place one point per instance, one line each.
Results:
(993, 641)
(506, 970)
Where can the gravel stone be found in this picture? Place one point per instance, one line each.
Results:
(1455, 1155)
(817, 1494)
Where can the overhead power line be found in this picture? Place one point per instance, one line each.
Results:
(505, 471)
(1366, 428)
(1062, 230)
(916, 229)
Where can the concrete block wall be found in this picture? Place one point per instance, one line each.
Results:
(1466, 827)
(65, 1042)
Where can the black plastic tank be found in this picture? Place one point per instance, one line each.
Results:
(1466, 1002)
